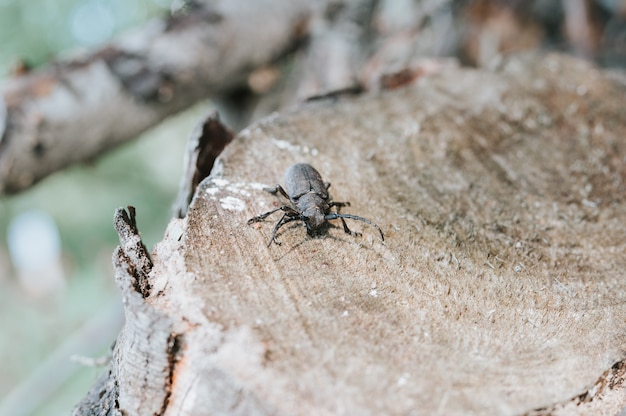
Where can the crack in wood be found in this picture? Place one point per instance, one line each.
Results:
(174, 348)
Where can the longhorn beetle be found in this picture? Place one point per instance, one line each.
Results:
(310, 203)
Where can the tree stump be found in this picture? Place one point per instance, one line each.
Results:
(499, 288)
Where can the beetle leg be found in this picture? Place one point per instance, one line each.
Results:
(276, 189)
(285, 208)
(343, 222)
(349, 231)
(327, 185)
(335, 215)
(287, 217)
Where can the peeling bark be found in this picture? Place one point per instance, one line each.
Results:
(133, 250)
(204, 146)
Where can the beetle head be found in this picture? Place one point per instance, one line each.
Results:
(312, 208)
(315, 218)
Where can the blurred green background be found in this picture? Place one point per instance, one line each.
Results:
(80, 312)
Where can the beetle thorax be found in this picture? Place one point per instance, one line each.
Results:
(313, 208)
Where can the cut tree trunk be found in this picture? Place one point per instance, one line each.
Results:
(499, 288)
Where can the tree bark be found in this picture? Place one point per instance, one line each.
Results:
(499, 288)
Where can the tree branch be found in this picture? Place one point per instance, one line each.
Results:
(73, 110)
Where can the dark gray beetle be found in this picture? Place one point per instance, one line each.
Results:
(310, 203)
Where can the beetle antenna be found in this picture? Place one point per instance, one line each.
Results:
(334, 216)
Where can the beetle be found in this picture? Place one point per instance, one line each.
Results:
(310, 203)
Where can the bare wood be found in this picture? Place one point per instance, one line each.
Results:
(73, 110)
(499, 288)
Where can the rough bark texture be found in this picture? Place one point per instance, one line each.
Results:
(499, 289)
(203, 146)
(72, 111)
